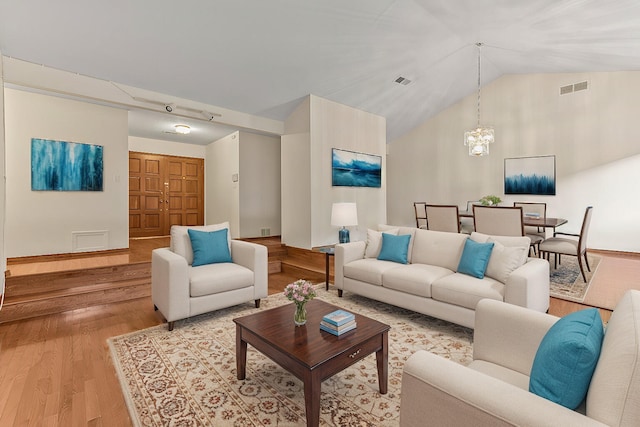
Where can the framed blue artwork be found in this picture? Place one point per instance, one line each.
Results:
(65, 166)
(351, 169)
(530, 175)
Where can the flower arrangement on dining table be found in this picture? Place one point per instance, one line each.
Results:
(300, 292)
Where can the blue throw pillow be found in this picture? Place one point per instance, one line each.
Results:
(209, 247)
(475, 258)
(567, 358)
(394, 248)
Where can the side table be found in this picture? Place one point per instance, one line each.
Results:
(328, 251)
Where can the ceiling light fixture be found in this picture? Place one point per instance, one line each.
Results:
(183, 129)
(478, 139)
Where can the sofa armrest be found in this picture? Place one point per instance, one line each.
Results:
(344, 254)
(508, 335)
(170, 284)
(254, 257)
(528, 285)
(448, 394)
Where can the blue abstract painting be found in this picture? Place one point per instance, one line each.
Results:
(530, 175)
(351, 169)
(65, 166)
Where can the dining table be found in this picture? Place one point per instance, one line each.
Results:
(532, 221)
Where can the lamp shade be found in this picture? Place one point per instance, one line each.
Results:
(344, 214)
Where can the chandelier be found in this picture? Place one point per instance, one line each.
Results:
(478, 139)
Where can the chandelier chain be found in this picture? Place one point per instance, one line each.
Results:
(479, 80)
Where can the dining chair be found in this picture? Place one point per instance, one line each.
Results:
(443, 218)
(421, 214)
(498, 220)
(466, 224)
(536, 234)
(570, 245)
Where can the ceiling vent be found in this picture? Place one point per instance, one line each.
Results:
(403, 81)
(574, 88)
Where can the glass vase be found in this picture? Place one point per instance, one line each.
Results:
(300, 316)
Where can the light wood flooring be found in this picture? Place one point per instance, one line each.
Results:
(56, 370)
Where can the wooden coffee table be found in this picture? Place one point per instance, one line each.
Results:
(307, 352)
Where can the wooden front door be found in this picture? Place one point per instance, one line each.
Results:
(164, 191)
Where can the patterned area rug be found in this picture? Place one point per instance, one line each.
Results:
(566, 280)
(187, 377)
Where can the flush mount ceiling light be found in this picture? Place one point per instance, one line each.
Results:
(478, 139)
(183, 129)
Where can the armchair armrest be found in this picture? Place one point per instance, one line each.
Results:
(254, 257)
(448, 394)
(528, 285)
(344, 254)
(508, 335)
(170, 284)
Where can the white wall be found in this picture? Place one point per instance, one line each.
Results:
(167, 148)
(43, 222)
(222, 195)
(593, 134)
(259, 184)
(306, 205)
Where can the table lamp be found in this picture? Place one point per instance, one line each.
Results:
(344, 215)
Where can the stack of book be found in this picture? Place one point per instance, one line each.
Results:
(338, 322)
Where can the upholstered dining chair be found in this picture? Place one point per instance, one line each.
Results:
(536, 234)
(466, 223)
(574, 245)
(443, 218)
(421, 214)
(498, 220)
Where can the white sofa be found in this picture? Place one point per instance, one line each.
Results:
(494, 389)
(179, 290)
(430, 283)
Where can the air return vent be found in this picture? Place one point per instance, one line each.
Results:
(402, 80)
(574, 88)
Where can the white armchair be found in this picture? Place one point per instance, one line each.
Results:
(179, 290)
(493, 389)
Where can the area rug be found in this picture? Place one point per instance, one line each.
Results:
(566, 281)
(187, 377)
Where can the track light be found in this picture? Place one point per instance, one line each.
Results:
(169, 107)
(209, 116)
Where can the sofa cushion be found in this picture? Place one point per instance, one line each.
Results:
(415, 279)
(438, 248)
(466, 291)
(401, 231)
(215, 278)
(509, 253)
(209, 247)
(474, 259)
(374, 242)
(394, 248)
(567, 357)
(368, 270)
(181, 244)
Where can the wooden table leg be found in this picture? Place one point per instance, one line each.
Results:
(326, 270)
(312, 385)
(241, 354)
(382, 359)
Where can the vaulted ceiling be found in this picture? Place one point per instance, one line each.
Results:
(262, 57)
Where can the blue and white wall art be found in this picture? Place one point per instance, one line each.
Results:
(65, 166)
(351, 169)
(530, 175)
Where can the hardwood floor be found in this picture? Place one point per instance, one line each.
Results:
(56, 370)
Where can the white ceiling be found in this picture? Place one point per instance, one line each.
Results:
(262, 57)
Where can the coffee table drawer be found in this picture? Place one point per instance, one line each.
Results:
(355, 353)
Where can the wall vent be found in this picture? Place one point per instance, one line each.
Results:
(402, 80)
(566, 89)
(265, 232)
(580, 86)
(574, 87)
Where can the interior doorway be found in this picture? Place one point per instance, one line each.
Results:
(164, 191)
